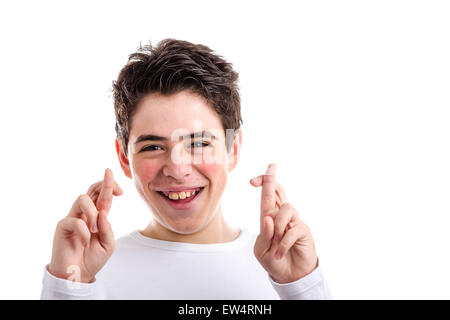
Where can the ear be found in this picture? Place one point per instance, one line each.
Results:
(124, 163)
(235, 151)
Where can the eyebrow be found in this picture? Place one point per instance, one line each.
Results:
(153, 137)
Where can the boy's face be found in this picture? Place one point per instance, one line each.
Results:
(160, 160)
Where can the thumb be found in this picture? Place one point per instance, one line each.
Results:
(105, 233)
(264, 239)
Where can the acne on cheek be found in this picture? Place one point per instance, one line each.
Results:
(146, 172)
(216, 174)
(212, 170)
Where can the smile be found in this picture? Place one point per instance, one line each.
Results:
(181, 200)
(180, 195)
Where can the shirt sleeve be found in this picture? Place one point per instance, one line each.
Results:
(54, 288)
(311, 287)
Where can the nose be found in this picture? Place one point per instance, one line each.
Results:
(179, 164)
(177, 171)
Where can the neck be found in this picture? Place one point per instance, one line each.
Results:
(217, 231)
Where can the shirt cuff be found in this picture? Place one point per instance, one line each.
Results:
(311, 287)
(58, 289)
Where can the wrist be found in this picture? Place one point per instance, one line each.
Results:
(72, 274)
(298, 275)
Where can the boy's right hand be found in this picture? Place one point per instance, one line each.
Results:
(84, 240)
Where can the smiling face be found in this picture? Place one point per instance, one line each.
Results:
(165, 166)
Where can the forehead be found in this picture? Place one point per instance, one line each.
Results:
(162, 114)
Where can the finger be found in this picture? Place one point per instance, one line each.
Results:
(279, 203)
(117, 191)
(268, 195)
(105, 233)
(281, 193)
(264, 240)
(106, 193)
(94, 195)
(284, 216)
(77, 228)
(94, 190)
(279, 200)
(84, 207)
(298, 232)
(257, 182)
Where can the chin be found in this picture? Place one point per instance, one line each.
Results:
(184, 227)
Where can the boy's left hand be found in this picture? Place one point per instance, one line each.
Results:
(284, 247)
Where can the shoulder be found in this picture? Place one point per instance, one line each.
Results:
(249, 234)
(127, 241)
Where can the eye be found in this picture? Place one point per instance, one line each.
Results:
(199, 144)
(151, 148)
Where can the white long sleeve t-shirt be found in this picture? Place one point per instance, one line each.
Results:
(146, 268)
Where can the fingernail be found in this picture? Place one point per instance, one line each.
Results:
(278, 254)
(86, 244)
(94, 228)
(276, 238)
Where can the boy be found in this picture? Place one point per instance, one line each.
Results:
(178, 131)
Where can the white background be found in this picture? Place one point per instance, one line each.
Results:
(350, 99)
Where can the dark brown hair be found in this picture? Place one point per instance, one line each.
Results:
(170, 67)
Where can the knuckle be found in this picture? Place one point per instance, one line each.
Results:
(82, 198)
(281, 222)
(273, 213)
(257, 251)
(288, 206)
(279, 230)
(102, 203)
(303, 228)
(86, 204)
(276, 222)
(61, 223)
(79, 224)
(277, 233)
(283, 246)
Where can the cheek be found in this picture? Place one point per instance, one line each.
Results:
(216, 173)
(145, 171)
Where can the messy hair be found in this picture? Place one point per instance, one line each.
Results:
(170, 67)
